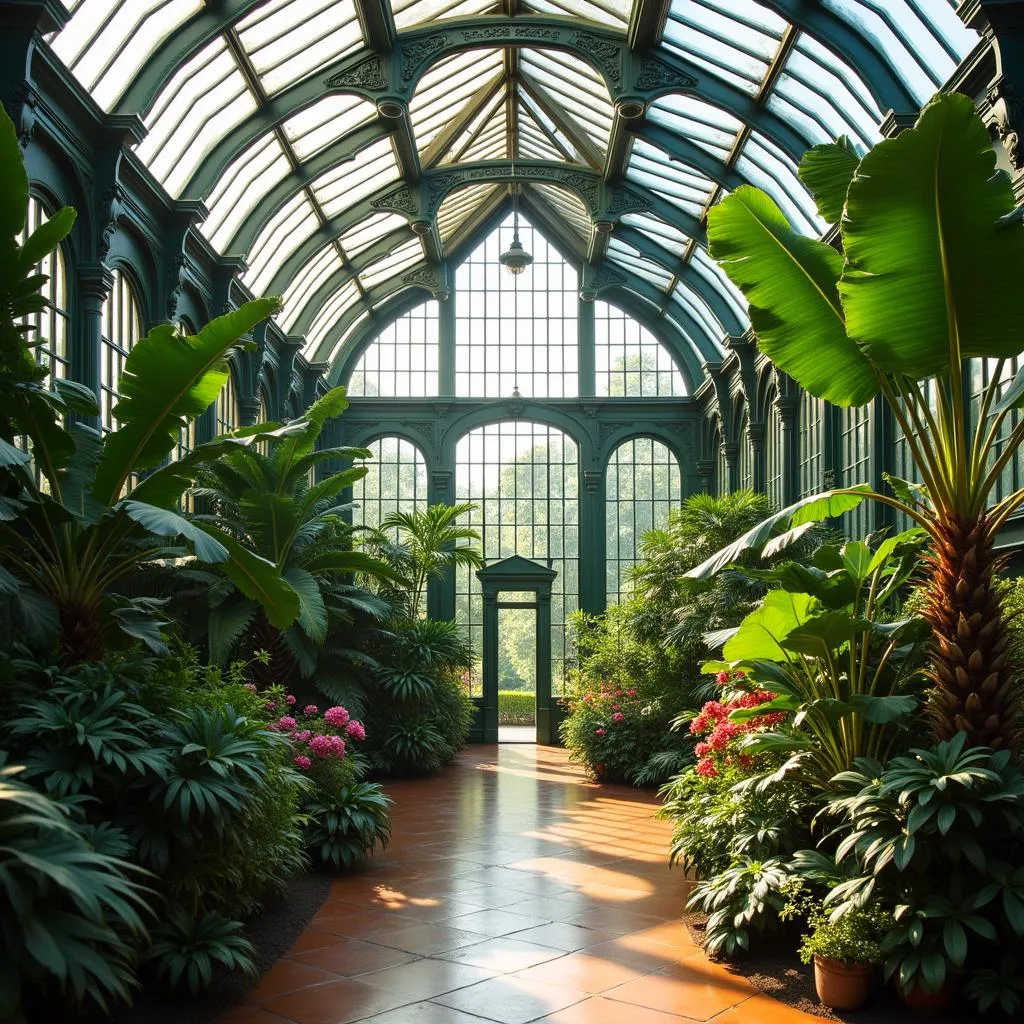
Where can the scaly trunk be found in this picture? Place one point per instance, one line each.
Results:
(280, 669)
(81, 634)
(975, 688)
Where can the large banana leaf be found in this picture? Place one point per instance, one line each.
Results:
(168, 380)
(351, 562)
(932, 274)
(790, 282)
(334, 403)
(271, 519)
(165, 523)
(827, 171)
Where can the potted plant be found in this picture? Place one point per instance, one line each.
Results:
(846, 953)
(925, 951)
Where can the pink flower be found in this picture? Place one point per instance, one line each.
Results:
(615, 707)
(311, 709)
(290, 699)
(356, 730)
(303, 736)
(631, 693)
(722, 678)
(599, 732)
(336, 716)
(618, 717)
(618, 693)
(286, 722)
(302, 761)
(251, 687)
(702, 749)
(320, 746)
(587, 698)
(706, 768)
(270, 705)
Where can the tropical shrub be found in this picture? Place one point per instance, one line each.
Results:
(854, 938)
(348, 823)
(899, 309)
(73, 914)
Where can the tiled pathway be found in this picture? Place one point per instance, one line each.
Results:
(514, 891)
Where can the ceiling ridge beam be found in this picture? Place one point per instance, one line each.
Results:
(442, 142)
(575, 133)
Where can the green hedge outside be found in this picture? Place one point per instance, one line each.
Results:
(516, 707)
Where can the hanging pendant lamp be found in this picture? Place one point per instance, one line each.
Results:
(515, 258)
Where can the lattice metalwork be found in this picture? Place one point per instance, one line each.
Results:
(121, 328)
(643, 485)
(774, 463)
(396, 482)
(524, 478)
(402, 360)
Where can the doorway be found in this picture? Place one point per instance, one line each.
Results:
(517, 667)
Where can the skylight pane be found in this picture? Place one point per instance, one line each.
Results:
(599, 11)
(372, 169)
(697, 308)
(201, 103)
(701, 123)
(288, 40)
(460, 205)
(417, 12)
(631, 259)
(321, 267)
(343, 299)
(284, 233)
(704, 265)
(325, 122)
(566, 204)
(369, 231)
(393, 265)
(574, 86)
(446, 87)
(763, 164)
(241, 188)
(666, 235)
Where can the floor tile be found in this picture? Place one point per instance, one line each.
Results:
(511, 1000)
(590, 974)
(496, 922)
(567, 937)
(505, 954)
(692, 993)
(351, 957)
(425, 1013)
(426, 978)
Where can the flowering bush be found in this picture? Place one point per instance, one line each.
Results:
(721, 747)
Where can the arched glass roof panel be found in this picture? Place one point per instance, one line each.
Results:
(628, 257)
(281, 236)
(288, 40)
(734, 40)
(346, 334)
(461, 204)
(763, 164)
(706, 267)
(668, 236)
(245, 181)
(698, 309)
(322, 266)
(312, 130)
(702, 123)
(204, 100)
(600, 11)
(566, 204)
(417, 12)
(370, 230)
(394, 264)
(345, 185)
(681, 186)
(346, 296)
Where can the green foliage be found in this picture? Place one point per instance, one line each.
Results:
(186, 948)
(348, 824)
(854, 938)
(73, 914)
(516, 707)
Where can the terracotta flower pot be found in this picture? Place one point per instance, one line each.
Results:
(920, 1000)
(842, 986)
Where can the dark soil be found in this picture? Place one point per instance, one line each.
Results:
(272, 932)
(774, 969)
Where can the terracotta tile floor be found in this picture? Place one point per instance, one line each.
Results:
(514, 891)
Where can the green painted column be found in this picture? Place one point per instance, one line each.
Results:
(789, 416)
(446, 347)
(587, 350)
(490, 666)
(547, 725)
(441, 491)
(94, 282)
(593, 542)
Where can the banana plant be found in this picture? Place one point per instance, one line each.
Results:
(265, 501)
(927, 278)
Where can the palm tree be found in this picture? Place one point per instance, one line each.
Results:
(266, 500)
(427, 547)
(928, 278)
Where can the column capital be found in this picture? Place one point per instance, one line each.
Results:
(592, 480)
(95, 280)
(756, 432)
(788, 406)
(249, 410)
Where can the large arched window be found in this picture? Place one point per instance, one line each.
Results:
(51, 323)
(516, 330)
(629, 360)
(524, 478)
(121, 328)
(812, 443)
(402, 361)
(396, 482)
(643, 486)
(228, 416)
(855, 440)
(773, 451)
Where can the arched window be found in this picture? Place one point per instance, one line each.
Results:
(228, 415)
(812, 443)
(721, 485)
(51, 323)
(402, 361)
(524, 478)
(745, 453)
(396, 482)
(121, 328)
(630, 361)
(773, 451)
(643, 486)
(516, 330)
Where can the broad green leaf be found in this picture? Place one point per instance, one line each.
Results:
(834, 590)
(226, 624)
(312, 611)
(790, 281)
(351, 562)
(169, 379)
(920, 210)
(272, 519)
(811, 509)
(14, 194)
(165, 523)
(856, 556)
(12, 457)
(334, 403)
(259, 580)
(762, 632)
(823, 633)
(827, 171)
(883, 710)
(47, 237)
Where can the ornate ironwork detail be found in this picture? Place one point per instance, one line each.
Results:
(606, 54)
(1008, 126)
(23, 107)
(402, 199)
(440, 480)
(625, 200)
(603, 277)
(656, 74)
(425, 428)
(367, 74)
(608, 429)
(177, 282)
(586, 187)
(426, 277)
(515, 404)
(111, 206)
(415, 52)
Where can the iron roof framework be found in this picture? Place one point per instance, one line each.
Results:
(353, 150)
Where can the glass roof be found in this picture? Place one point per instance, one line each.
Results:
(237, 115)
